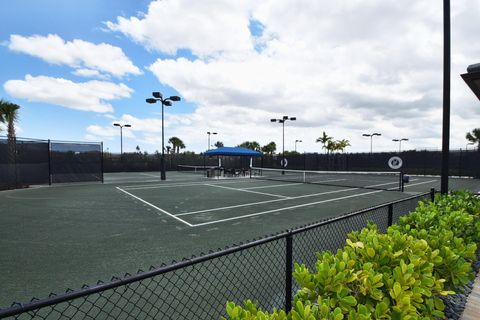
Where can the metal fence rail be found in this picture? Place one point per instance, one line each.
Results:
(198, 288)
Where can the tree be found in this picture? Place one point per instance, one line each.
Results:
(8, 116)
(474, 137)
(218, 144)
(137, 149)
(324, 139)
(270, 148)
(253, 145)
(168, 149)
(331, 146)
(342, 144)
(177, 144)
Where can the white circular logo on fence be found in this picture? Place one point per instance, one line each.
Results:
(284, 162)
(395, 163)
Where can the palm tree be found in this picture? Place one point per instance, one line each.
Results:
(253, 145)
(324, 139)
(177, 144)
(474, 137)
(342, 144)
(270, 148)
(218, 144)
(331, 146)
(8, 116)
(168, 149)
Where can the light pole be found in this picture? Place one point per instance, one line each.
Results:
(121, 135)
(371, 139)
(209, 133)
(468, 144)
(282, 121)
(296, 144)
(157, 96)
(400, 143)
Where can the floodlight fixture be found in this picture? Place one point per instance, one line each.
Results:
(121, 136)
(157, 96)
(282, 121)
(371, 135)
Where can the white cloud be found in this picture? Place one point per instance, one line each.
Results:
(89, 73)
(346, 67)
(86, 96)
(96, 133)
(204, 27)
(78, 54)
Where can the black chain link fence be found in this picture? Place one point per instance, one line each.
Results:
(199, 287)
(424, 162)
(25, 162)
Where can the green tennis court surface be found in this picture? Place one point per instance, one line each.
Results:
(66, 236)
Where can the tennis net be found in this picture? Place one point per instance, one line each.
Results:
(194, 169)
(390, 180)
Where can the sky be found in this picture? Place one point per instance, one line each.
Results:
(346, 67)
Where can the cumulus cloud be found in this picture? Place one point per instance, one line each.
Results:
(78, 54)
(206, 28)
(346, 67)
(85, 96)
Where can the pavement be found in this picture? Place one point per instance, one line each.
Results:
(472, 308)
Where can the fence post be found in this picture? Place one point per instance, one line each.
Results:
(49, 162)
(101, 160)
(432, 194)
(390, 214)
(288, 272)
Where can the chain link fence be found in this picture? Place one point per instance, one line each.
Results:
(424, 162)
(25, 162)
(199, 287)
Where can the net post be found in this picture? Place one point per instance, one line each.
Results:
(101, 160)
(390, 214)
(288, 272)
(49, 162)
(402, 183)
(432, 194)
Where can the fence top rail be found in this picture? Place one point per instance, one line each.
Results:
(18, 308)
(50, 140)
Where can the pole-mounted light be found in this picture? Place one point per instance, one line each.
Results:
(371, 135)
(157, 96)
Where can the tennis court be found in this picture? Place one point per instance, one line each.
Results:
(65, 236)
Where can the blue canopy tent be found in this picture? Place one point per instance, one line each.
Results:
(235, 151)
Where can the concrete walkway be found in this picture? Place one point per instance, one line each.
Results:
(472, 308)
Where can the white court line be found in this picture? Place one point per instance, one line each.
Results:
(262, 202)
(192, 184)
(155, 207)
(274, 186)
(286, 208)
(300, 205)
(149, 175)
(249, 191)
(416, 184)
(276, 200)
(323, 181)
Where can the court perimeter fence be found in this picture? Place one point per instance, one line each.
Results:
(25, 162)
(199, 287)
(419, 162)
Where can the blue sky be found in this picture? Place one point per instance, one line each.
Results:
(346, 68)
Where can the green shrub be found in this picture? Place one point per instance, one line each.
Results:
(397, 275)
(451, 225)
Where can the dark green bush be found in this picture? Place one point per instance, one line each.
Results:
(397, 275)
